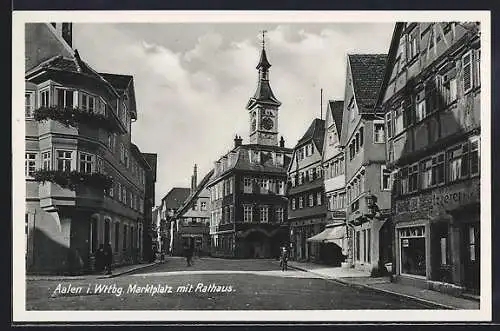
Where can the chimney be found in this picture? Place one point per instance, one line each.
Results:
(65, 30)
(194, 179)
(282, 142)
(67, 33)
(237, 141)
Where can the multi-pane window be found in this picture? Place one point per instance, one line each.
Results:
(319, 199)
(378, 132)
(247, 213)
(294, 204)
(398, 120)
(386, 178)
(311, 200)
(281, 187)
(421, 106)
(474, 156)
(119, 190)
(203, 205)
(426, 173)
(279, 215)
(449, 87)
(46, 160)
(29, 104)
(45, 98)
(388, 124)
(413, 177)
(413, 44)
(122, 153)
(247, 185)
(301, 202)
(438, 169)
(64, 97)
(64, 159)
(126, 158)
(264, 214)
(29, 164)
(124, 195)
(458, 162)
(404, 180)
(467, 71)
(86, 162)
(88, 103)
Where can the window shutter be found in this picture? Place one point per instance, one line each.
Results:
(467, 71)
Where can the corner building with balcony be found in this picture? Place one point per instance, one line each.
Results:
(305, 193)
(367, 183)
(85, 180)
(431, 100)
(248, 202)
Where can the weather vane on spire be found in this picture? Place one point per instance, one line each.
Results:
(263, 38)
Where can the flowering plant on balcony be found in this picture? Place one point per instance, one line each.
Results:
(72, 179)
(72, 116)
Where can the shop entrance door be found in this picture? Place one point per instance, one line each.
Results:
(472, 257)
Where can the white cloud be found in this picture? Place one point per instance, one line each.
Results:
(192, 103)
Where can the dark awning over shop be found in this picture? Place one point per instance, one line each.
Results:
(333, 235)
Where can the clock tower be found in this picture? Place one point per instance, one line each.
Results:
(263, 107)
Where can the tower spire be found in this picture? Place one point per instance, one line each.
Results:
(264, 38)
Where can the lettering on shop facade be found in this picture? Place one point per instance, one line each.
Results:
(447, 198)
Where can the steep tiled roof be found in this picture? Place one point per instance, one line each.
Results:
(367, 74)
(266, 165)
(119, 82)
(265, 94)
(316, 132)
(176, 197)
(61, 63)
(196, 193)
(337, 108)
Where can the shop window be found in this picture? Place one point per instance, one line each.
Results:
(412, 249)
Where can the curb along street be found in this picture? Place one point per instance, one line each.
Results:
(410, 297)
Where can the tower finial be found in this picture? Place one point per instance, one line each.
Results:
(263, 38)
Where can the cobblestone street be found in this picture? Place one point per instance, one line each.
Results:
(216, 284)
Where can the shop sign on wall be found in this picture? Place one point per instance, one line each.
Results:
(445, 198)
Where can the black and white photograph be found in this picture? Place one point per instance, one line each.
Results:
(252, 166)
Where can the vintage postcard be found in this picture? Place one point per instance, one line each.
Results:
(252, 166)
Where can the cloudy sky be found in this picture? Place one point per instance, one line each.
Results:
(192, 81)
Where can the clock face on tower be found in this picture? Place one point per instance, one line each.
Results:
(267, 123)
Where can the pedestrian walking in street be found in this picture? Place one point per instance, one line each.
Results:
(99, 258)
(108, 258)
(188, 251)
(284, 259)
